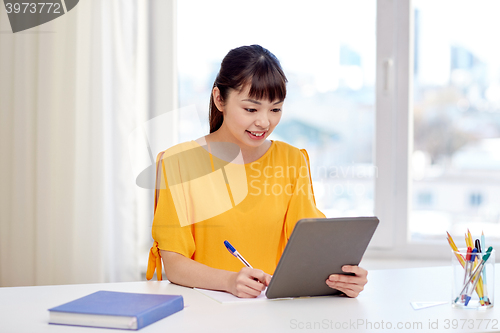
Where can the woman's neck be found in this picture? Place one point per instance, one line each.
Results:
(250, 154)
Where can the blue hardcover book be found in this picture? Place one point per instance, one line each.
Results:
(112, 309)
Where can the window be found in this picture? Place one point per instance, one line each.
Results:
(457, 114)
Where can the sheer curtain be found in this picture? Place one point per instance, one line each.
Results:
(71, 92)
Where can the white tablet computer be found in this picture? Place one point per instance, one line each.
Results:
(316, 249)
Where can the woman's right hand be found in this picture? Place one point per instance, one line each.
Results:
(248, 282)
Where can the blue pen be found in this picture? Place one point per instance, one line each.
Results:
(235, 253)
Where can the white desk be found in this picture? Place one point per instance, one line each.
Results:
(385, 301)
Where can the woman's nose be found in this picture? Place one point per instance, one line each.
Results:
(262, 120)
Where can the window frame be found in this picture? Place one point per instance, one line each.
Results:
(392, 125)
(394, 137)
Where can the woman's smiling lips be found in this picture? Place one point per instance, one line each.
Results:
(256, 135)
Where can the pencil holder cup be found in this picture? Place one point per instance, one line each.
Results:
(473, 280)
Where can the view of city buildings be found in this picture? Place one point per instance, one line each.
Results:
(456, 159)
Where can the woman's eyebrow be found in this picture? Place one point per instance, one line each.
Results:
(257, 102)
(251, 100)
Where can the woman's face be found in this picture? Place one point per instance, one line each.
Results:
(247, 121)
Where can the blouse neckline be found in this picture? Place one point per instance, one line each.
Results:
(268, 151)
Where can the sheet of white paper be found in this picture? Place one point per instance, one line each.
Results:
(223, 297)
(423, 305)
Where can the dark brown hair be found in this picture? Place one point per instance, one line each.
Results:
(244, 65)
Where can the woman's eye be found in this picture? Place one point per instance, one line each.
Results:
(250, 110)
(276, 110)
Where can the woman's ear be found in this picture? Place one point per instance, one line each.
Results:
(217, 99)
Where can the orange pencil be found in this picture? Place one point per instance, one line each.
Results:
(459, 256)
(471, 242)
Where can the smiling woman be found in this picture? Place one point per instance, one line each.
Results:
(196, 215)
(246, 100)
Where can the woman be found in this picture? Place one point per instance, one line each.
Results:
(236, 185)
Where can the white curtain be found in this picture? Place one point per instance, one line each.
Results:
(71, 92)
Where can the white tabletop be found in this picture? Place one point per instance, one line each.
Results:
(383, 306)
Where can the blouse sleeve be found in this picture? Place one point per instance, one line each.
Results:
(167, 230)
(302, 203)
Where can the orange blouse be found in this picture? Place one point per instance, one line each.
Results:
(204, 200)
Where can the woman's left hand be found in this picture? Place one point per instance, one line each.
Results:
(351, 285)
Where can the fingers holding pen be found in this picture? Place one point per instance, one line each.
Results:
(249, 282)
